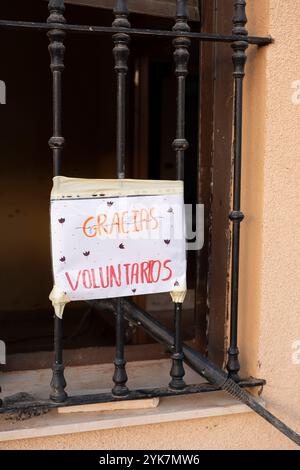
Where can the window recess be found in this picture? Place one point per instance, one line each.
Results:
(81, 110)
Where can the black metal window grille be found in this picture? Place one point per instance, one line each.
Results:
(121, 31)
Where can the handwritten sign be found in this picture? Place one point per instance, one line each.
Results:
(113, 238)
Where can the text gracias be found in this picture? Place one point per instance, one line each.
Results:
(145, 272)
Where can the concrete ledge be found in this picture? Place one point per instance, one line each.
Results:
(150, 373)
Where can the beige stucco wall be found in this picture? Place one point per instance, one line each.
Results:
(270, 273)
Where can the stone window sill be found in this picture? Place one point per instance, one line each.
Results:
(85, 379)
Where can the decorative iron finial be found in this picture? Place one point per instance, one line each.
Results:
(181, 17)
(239, 47)
(57, 51)
(121, 12)
(239, 18)
(56, 9)
(121, 42)
(181, 59)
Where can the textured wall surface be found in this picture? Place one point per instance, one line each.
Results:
(234, 432)
(270, 273)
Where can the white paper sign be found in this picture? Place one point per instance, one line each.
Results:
(113, 238)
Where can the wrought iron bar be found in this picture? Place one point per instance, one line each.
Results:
(121, 53)
(56, 143)
(71, 28)
(236, 216)
(177, 370)
(180, 144)
(108, 398)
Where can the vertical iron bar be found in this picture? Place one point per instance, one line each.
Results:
(56, 143)
(121, 53)
(180, 144)
(236, 216)
(177, 370)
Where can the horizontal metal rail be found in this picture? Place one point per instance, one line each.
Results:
(71, 28)
(108, 397)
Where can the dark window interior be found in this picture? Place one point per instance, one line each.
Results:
(89, 129)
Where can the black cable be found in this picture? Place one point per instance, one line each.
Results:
(242, 395)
